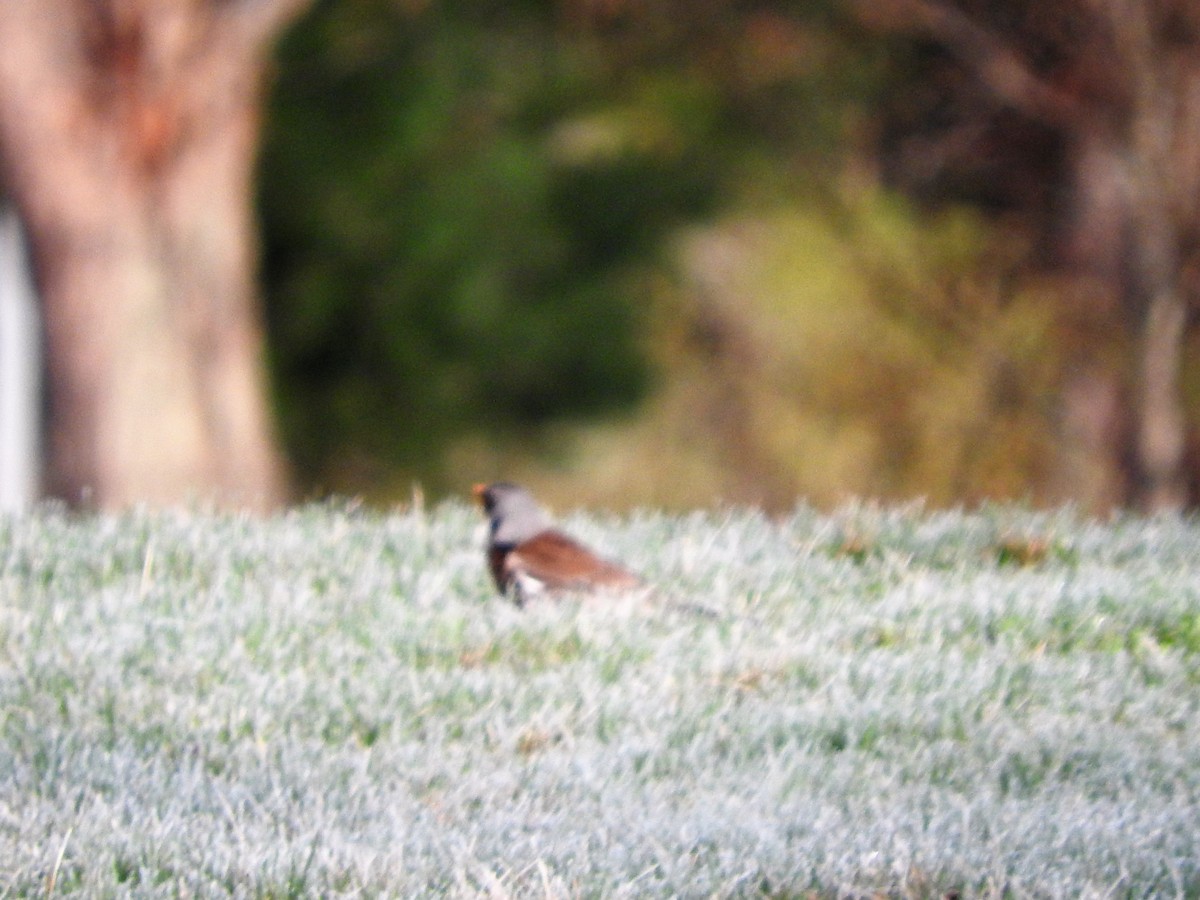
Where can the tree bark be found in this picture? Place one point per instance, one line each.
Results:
(1161, 54)
(128, 133)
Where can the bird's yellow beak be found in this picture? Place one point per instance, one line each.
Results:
(477, 491)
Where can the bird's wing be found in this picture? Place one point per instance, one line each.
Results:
(562, 563)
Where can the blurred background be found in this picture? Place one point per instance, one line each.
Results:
(669, 252)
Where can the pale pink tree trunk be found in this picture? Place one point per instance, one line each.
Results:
(127, 134)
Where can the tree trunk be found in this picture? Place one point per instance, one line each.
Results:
(1163, 125)
(1093, 461)
(128, 132)
(1162, 425)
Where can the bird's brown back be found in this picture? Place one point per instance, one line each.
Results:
(560, 563)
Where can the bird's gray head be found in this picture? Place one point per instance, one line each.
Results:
(514, 515)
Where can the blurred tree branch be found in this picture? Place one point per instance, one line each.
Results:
(1118, 85)
(996, 63)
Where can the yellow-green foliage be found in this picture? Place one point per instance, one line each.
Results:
(827, 350)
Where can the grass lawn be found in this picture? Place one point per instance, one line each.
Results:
(1002, 703)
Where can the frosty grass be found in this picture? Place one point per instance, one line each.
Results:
(1000, 703)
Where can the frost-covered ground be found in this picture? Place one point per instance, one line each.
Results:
(1001, 703)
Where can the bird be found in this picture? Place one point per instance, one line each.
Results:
(528, 555)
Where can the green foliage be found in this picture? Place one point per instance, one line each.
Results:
(846, 345)
(468, 209)
(456, 208)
